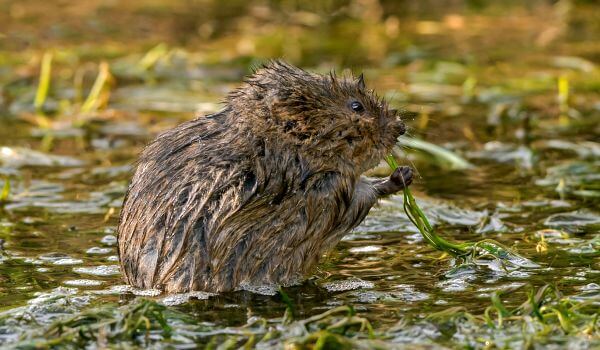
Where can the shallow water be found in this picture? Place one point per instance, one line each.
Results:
(534, 186)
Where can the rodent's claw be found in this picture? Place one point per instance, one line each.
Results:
(402, 176)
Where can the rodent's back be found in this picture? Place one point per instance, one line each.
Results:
(206, 212)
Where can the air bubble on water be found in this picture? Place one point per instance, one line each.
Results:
(519, 274)
(146, 292)
(370, 296)
(109, 240)
(573, 278)
(53, 256)
(357, 236)
(83, 283)
(456, 284)
(45, 297)
(33, 261)
(575, 219)
(365, 249)
(113, 290)
(100, 270)
(68, 261)
(99, 251)
(590, 286)
(345, 285)
(265, 289)
(583, 250)
(408, 293)
(503, 287)
(177, 299)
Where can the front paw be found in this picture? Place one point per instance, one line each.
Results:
(399, 180)
(402, 177)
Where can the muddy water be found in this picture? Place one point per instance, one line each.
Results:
(534, 185)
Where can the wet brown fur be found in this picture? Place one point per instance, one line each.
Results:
(256, 193)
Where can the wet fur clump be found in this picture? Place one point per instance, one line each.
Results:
(256, 193)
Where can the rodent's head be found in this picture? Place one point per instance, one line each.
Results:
(321, 116)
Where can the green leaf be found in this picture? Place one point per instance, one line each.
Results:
(441, 155)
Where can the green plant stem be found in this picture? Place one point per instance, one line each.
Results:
(418, 218)
(468, 251)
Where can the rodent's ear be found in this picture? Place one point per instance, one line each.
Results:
(361, 81)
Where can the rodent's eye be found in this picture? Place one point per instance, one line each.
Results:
(357, 106)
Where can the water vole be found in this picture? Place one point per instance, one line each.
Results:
(256, 193)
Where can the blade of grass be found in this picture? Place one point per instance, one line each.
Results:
(44, 84)
(153, 55)
(92, 102)
(290, 313)
(563, 99)
(497, 303)
(5, 191)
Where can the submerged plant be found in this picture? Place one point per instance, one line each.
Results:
(547, 317)
(132, 324)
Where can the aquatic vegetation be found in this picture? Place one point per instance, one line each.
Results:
(468, 252)
(546, 317)
(132, 324)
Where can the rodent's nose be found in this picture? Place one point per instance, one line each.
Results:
(402, 127)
